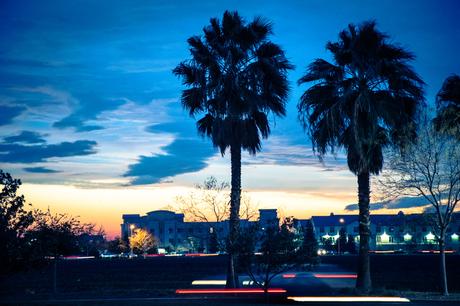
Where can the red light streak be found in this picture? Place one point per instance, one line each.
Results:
(289, 275)
(228, 291)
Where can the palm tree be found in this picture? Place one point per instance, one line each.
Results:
(448, 107)
(364, 100)
(235, 79)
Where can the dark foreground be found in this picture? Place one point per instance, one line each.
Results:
(153, 281)
(204, 302)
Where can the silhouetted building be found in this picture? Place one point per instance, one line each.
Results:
(173, 232)
(388, 232)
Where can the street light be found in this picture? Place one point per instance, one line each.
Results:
(342, 221)
(131, 227)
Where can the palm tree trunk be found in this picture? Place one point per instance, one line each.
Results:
(235, 197)
(363, 283)
(442, 266)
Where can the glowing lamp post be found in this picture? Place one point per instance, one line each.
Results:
(131, 229)
(342, 221)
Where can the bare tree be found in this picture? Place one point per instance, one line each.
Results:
(210, 202)
(207, 203)
(430, 168)
(248, 209)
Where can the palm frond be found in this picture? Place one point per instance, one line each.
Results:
(236, 76)
(363, 101)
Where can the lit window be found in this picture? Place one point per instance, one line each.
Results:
(407, 237)
(429, 237)
(454, 237)
(384, 238)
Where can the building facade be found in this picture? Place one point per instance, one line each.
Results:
(388, 231)
(174, 233)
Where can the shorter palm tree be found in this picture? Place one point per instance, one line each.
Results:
(363, 101)
(448, 107)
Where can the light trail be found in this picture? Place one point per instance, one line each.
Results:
(347, 299)
(317, 275)
(229, 291)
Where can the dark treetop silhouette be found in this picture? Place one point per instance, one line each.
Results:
(366, 99)
(448, 107)
(236, 76)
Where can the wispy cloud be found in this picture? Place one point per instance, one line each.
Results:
(281, 151)
(28, 137)
(59, 96)
(40, 170)
(8, 113)
(181, 156)
(18, 153)
(144, 66)
(400, 203)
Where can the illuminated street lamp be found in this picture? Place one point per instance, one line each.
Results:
(337, 237)
(131, 227)
(337, 240)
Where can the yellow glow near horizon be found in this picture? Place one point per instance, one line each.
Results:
(100, 206)
(105, 207)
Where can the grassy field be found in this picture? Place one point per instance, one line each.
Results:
(159, 277)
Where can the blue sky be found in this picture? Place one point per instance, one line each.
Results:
(87, 97)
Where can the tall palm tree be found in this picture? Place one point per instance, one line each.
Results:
(448, 107)
(236, 77)
(362, 101)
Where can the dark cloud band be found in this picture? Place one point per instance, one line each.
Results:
(182, 156)
(18, 153)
